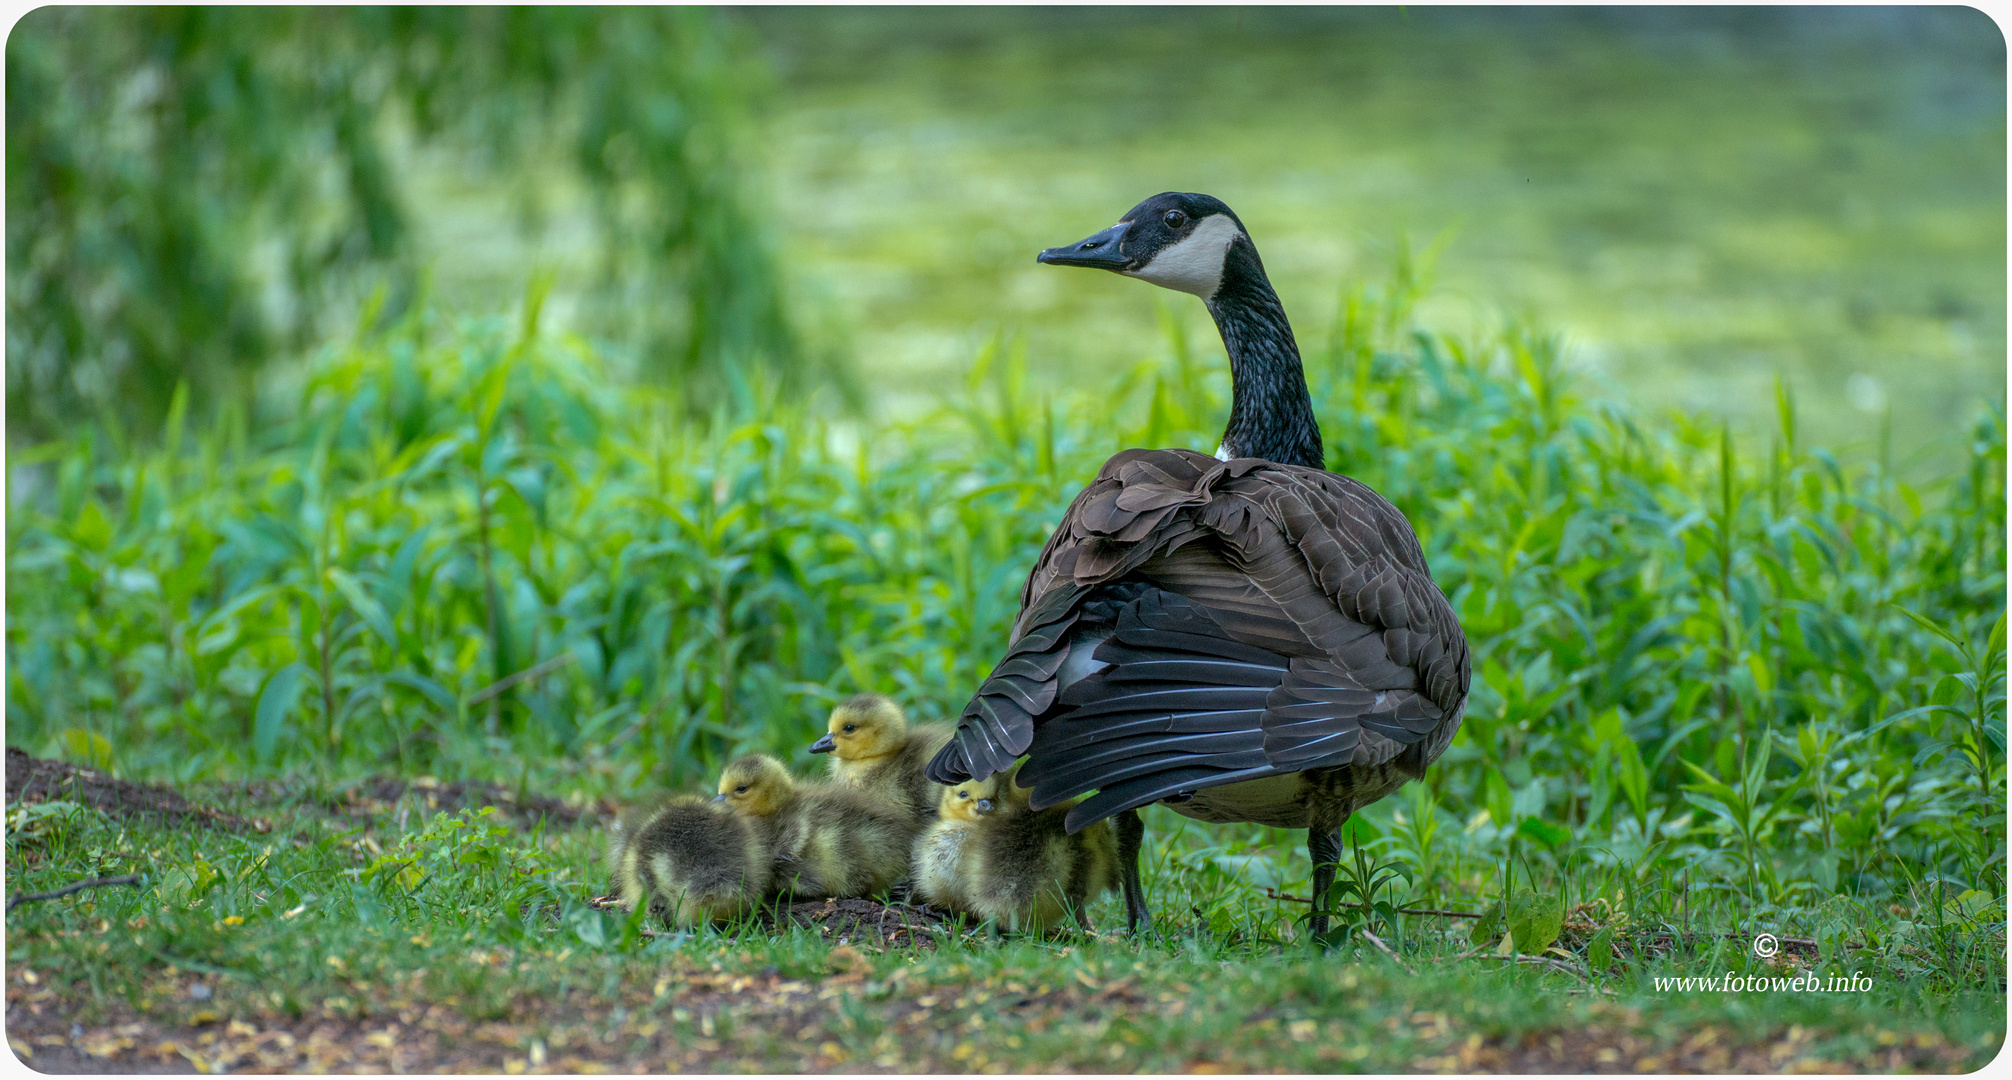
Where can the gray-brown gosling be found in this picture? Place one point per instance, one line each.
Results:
(690, 861)
(873, 747)
(827, 839)
(993, 856)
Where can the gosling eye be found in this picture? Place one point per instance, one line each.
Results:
(1175, 219)
(963, 794)
(848, 729)
(741, 790)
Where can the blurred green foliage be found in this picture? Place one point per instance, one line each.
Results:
(1699, 664)
(192, 191)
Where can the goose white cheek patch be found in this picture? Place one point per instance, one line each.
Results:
(1195, 265)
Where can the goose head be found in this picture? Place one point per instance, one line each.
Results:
(756, 785)
(865, 726)
(1194, 244)
(1176, 240)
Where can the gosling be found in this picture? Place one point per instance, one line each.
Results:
(872, 747)
(1018, 867)
(937, 872)
(827, 840)
(690, 861)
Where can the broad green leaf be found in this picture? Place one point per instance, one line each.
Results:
(1937, 629)
(88, 747)
(1488, 925)
(1763, 676)
(275, 703)
(1501, 804)
(365, 605)
(1600, 950)
(1535, 920)
(434, 692)
(1544, 832)
(91, 531)
(489, 397)
(1632, 775)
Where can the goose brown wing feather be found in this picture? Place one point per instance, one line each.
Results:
(1060, 738)
(1293, 566)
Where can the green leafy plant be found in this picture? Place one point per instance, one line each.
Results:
(469, 550)
(1363, 898)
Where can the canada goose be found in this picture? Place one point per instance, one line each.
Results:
(689, 861)
(1244, 637)
(827, 840)
(996, 857)
(872, 747)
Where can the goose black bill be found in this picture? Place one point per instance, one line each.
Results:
(1100, 251)
(824, 746)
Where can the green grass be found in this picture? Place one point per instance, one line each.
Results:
(489, 955)
(1722, 686)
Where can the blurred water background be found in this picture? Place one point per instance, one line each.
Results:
(1698, 199)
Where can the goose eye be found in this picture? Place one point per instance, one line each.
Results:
(1175, 219)
(741, 790)
(849, 728)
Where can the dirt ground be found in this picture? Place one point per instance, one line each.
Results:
(784, 1024)
(695, 1019)
(34, 780)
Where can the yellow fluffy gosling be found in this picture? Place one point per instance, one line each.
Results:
(1016, 866)
(873, 747)
(691, 861)
(828, 840)
(938, 871)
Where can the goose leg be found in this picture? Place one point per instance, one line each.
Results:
(1324, 847)
(1131, 831)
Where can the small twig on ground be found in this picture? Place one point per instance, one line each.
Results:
(1378, 942)
(1276, 895)
(1525, 958)
(535, 671)
(80, 886)
(1553, 962)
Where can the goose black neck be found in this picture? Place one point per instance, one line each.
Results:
(1271, 413)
